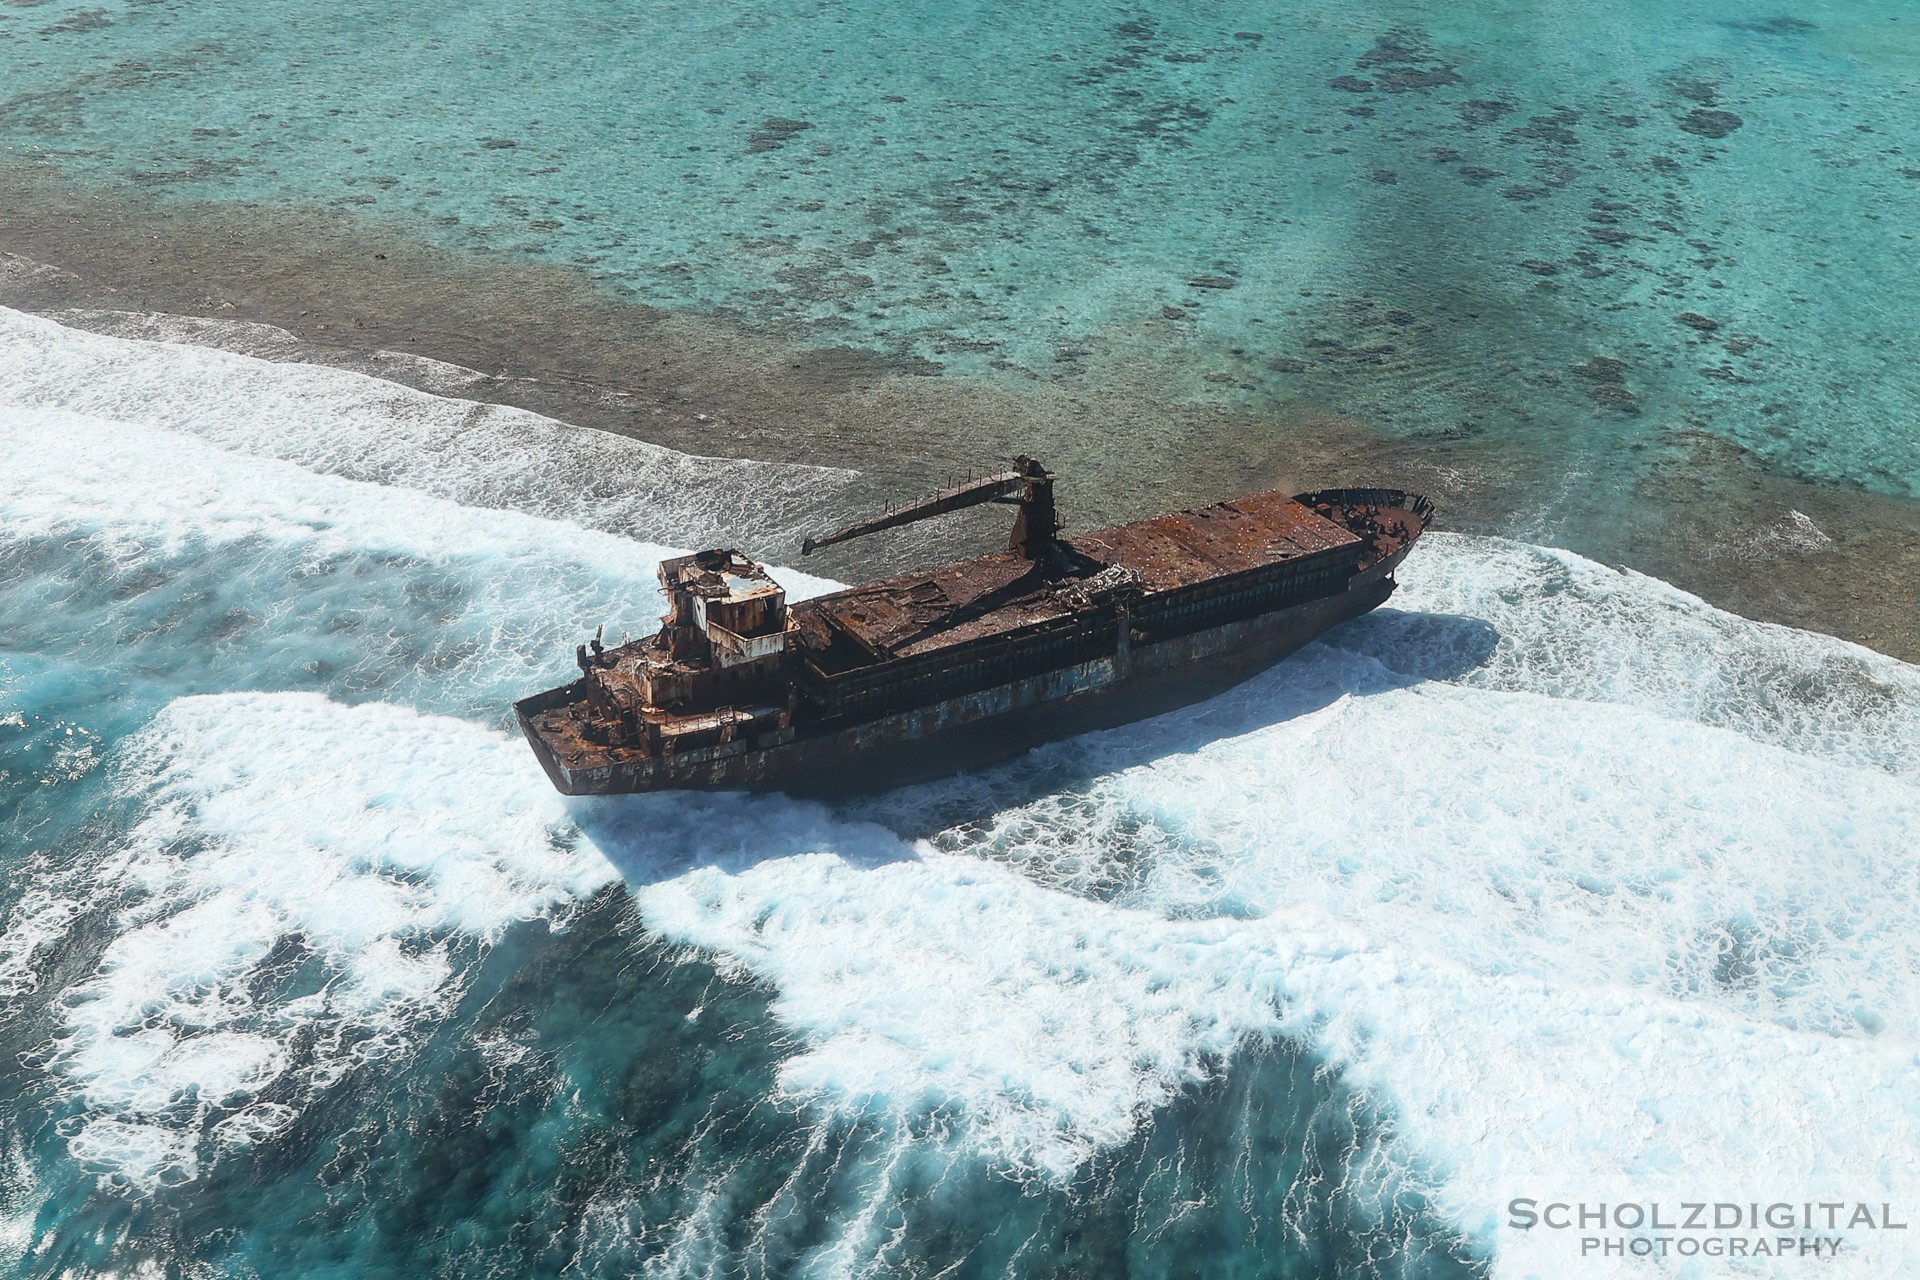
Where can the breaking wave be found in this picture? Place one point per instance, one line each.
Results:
(1581, 887)
(367, 428)
(307, 885)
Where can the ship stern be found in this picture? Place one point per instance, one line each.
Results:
(529, 710)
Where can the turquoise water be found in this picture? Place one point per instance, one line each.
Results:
(305, 969)
(1443, 219)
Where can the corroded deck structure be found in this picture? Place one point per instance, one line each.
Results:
(956, 666)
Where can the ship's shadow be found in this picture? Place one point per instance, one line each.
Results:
(1384, 651)
(657, 837)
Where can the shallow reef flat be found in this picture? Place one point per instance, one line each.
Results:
(1581, 235)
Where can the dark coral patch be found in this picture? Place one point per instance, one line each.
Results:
(1402, 63)
(1483, 110)
(774, 132)
(1711, 124)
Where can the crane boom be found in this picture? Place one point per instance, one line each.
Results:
(1028, 484)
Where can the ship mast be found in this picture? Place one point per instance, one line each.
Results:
(1029, 485)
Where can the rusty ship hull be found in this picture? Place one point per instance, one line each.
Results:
(955, 668)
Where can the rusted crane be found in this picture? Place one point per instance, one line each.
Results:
(1029, 485)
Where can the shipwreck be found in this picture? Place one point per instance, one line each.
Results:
(958, 666)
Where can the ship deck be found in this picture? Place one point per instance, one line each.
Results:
(918, 613)
(1178, 550)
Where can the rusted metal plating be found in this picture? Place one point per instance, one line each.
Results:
(738, 688)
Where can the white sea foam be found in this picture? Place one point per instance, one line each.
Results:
(198, 539)
(371, 842)
(241, 337)
(167, 1047)
(1568, 950)
(271, 342)
(1571, 948)
(1570, 628)
(40, 917)
(1588, 889)
(72, 473)
(1518, 959)
(367, 428)
(77, 473)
